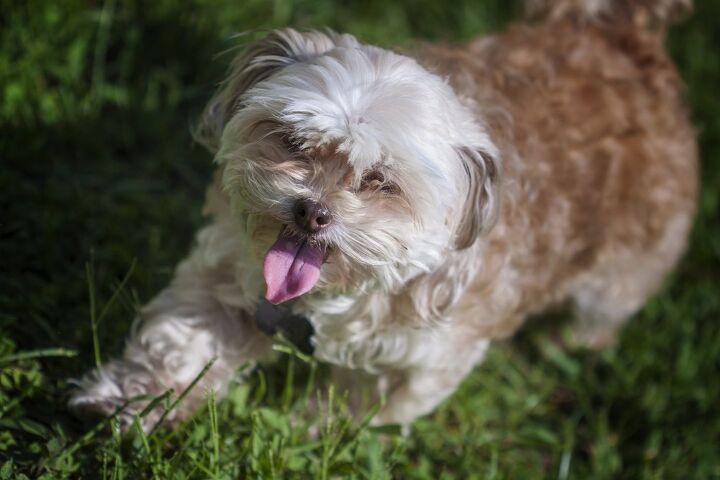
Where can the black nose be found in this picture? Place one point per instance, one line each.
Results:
(311, 216)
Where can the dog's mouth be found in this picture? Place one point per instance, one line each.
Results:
(292, 266)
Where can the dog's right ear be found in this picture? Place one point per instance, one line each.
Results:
(255, 63)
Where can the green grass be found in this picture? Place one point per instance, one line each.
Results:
(100, 192)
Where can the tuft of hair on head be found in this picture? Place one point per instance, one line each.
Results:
(648, 14)
(254, 63)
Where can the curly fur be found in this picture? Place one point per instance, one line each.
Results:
(550, 164)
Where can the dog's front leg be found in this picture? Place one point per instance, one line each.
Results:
(184, 329)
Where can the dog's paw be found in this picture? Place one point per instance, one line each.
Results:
(92, 409)
(87, 406)
(114, 390)
(97, 398)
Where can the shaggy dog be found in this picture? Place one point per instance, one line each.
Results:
(415, 207)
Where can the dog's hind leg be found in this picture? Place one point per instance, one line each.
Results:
(421, 390)
(602, 308)
(607, 296)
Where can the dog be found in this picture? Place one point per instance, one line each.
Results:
(413, 207)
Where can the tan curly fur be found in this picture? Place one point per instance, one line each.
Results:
(600, 161)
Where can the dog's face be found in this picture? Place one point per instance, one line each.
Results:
(353, 167)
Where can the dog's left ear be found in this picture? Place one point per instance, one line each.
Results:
(255, 63)
(479, 213)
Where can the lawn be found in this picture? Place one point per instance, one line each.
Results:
(101, 189)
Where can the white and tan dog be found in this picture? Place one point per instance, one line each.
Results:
(414, 209)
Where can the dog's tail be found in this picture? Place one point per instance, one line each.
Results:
(648, 14)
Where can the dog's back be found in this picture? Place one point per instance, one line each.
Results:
(599, 157)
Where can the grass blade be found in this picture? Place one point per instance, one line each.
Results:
(117, 291)
(90, 273)
(42, 353)
(214, 432)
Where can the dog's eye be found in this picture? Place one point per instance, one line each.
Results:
(390, 188)
(372, 179)
(375, 181)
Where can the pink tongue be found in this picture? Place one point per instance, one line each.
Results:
(291, 268)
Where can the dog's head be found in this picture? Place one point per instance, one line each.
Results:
(352, 166)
